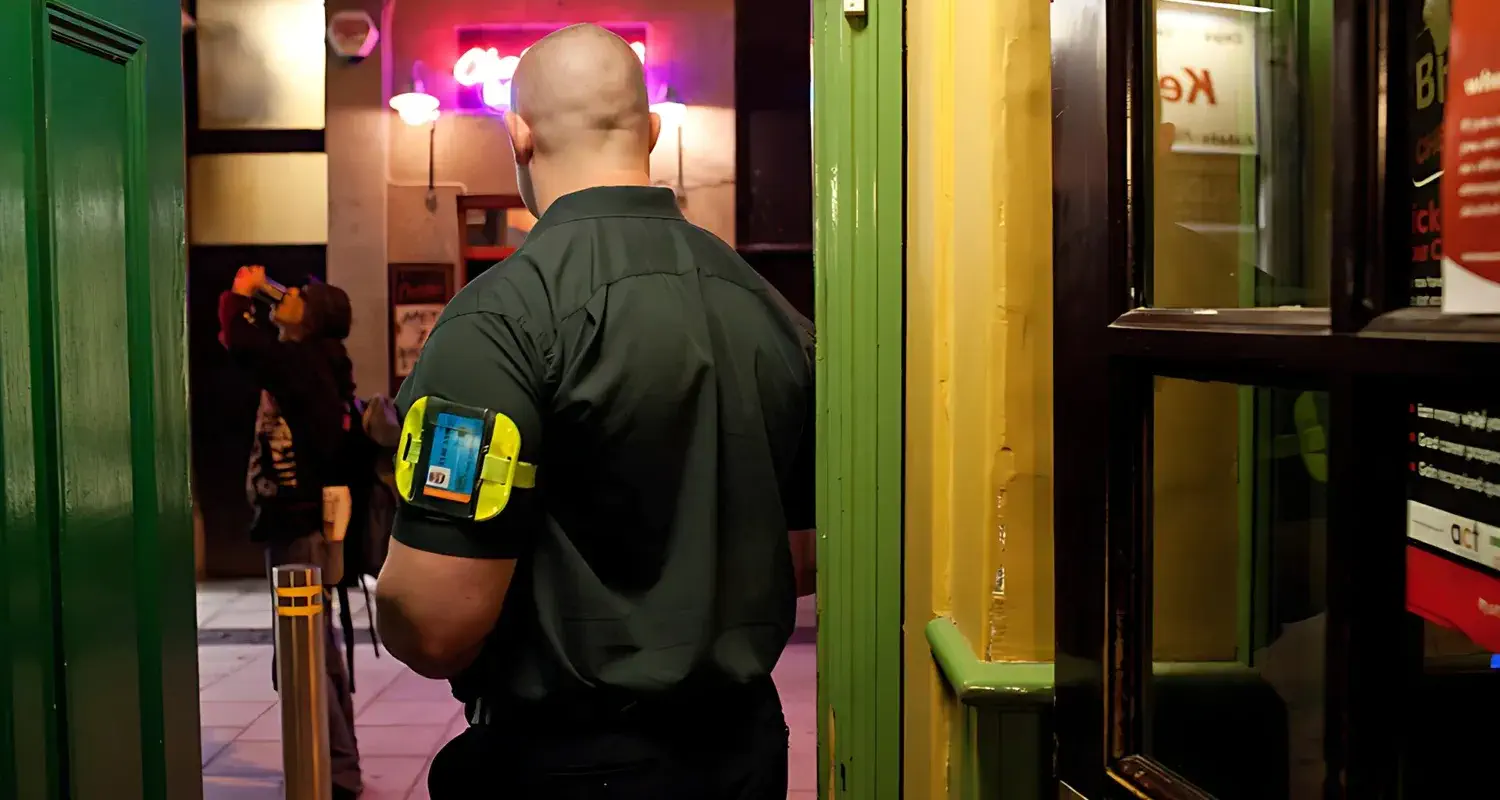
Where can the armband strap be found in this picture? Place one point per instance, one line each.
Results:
(459, 461)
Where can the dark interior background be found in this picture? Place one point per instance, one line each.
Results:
(773, 144)
(223, 397)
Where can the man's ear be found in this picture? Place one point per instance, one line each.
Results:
(520, 137)
(655, 130)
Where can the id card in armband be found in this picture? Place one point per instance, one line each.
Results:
(459, 461)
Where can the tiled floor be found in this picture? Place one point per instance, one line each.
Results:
(401, 718)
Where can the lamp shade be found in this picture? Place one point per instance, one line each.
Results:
(416, 107)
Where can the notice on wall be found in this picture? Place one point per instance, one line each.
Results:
(1205, 66)
(1427, 23)
(413, 324)
(1471, 161)
(1453, 518)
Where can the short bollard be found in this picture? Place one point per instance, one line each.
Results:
(299, 673)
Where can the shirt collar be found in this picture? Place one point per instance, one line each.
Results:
(610, 201)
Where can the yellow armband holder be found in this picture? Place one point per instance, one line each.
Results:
(459, 461)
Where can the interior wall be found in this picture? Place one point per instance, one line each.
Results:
(357, 145)
(978, 350)
(260, 64)
(258, 198)
(1196, 517)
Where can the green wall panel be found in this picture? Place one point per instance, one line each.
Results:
(858, 75)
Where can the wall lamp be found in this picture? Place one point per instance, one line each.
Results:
(415, 106)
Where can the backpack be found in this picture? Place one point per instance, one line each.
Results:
(367, 464)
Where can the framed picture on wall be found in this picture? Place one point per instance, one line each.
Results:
(418, 294)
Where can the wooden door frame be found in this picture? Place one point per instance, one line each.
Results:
(1365, 350)
(859, 308)
(466, 251)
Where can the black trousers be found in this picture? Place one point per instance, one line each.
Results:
(726, 746)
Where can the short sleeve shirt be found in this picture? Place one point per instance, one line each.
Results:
(664, 391)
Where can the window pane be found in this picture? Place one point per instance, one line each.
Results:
(1242, 199)
(1235, 701)
(1425, 27)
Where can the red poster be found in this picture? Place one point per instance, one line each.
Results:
(1471, 160)
(1454, 595)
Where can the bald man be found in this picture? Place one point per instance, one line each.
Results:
(612, 631)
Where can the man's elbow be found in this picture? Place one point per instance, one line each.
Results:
(436, 663)
(426, 649)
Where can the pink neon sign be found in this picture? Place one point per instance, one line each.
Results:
(491, 72)
(488, 70)
(491, 54)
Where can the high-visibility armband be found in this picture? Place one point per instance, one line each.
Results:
(459, 461)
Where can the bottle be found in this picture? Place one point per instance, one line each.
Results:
(270, 292)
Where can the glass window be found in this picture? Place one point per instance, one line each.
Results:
(1238, 541)
(1426, 28)
(1242, 197)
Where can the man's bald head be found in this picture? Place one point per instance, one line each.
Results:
(583, 88)
(579, 116)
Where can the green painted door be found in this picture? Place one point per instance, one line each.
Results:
(859, 308)
(96, 597)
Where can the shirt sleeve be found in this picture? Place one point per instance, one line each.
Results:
(489, 361)
(249, 343)
(281, 368)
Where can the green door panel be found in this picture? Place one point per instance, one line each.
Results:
(91, 133)
(99, 673)
(29, 761)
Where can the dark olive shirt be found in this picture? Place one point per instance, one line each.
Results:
(664, 391)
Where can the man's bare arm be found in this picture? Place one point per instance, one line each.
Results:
(434, 611)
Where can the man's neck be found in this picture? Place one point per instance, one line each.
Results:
(577, 182)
